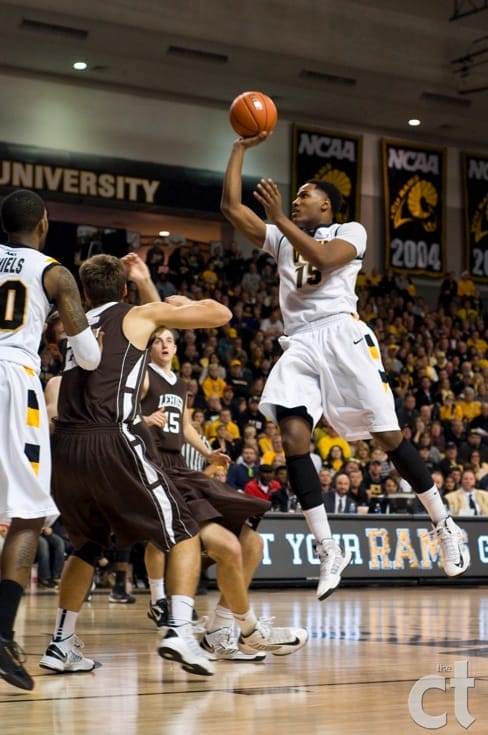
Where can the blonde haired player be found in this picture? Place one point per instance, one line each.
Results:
(331, 363)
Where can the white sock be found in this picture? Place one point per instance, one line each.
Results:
(432, 502)
(221, 617)
(317, 522)
(181, 610)
(158, 591)
(65, 624)
(246, 621)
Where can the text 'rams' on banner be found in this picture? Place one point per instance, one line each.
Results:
(475, 187)
(318, 154)
(414, 187)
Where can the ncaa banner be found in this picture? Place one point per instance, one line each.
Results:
(475, 185)
(318, 154)
(414, 184)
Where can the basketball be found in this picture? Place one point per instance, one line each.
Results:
(251, 113)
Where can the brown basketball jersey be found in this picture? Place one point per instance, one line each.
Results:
(111, 393)
(172, 398)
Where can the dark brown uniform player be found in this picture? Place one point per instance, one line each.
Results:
(103, 480)
(222, 514)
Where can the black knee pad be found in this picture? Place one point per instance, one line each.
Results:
(411, 466)
(89, 553)
(304, 480)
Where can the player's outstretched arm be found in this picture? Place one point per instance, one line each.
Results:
(243, 218)
(141, 321)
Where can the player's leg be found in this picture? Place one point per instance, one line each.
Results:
(119, 592)
(17, 557)
(25, 472)
(158, 610)
(296, 426)
(256, 635)
(410, 465)
(179, 644)
(64, 652)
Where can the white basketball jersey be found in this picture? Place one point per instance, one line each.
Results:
(307, 294)
(24, 304)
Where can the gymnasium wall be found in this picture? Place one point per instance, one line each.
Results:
(91, 121)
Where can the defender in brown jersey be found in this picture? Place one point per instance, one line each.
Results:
(223, 515)
(104, 481)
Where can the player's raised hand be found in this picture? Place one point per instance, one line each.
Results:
(268, 194)
(135, 268)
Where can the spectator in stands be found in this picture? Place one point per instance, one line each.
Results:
(447, 292)
(357, 489)
(373, 478)
(265, 438)
(244, 469)
(335, 459)
(451, 483)
(468, 500)
(379, 455)
(227, 401)
(338, 500)
(470, 407)
(283, 500)
(424, 452)
(155, 258)
(465, 285)
(449, 410)
(262, 485)
(328, 438)
(272, 325)
(481, 421)
(213, 384)
(473, 441)
(252, 415)
(251, 280)
(407, 412)
(479, 468)
(450, 459)
(424, 395)
(455, 432)
(362, 455)
(224, 417)
(50, 556)
(224, 441)
(249, 438)
(325, 479)
(275, 451)
(239, 379)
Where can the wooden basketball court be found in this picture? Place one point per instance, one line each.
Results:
(368, 648)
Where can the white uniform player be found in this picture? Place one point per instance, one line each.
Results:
(29, 283)
(328, 352)
(331, 362)
(25, 469)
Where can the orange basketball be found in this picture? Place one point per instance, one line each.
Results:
(251, 113)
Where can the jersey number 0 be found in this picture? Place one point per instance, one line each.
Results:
(13, 296)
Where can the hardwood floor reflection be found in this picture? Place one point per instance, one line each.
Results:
(367, 649)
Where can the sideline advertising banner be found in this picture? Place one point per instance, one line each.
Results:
(383, 547)
(334, 157)
(475, 190)
(414, 188)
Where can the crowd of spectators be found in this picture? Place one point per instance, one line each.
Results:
(435, 358)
